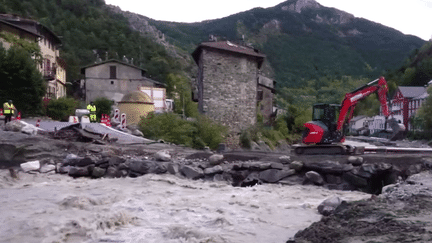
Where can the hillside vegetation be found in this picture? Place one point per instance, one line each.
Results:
(304, 42)
(88, 30)
(315, 54)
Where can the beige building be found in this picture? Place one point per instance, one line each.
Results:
(114, 79)
(52, 67)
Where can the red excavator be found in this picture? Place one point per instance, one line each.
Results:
(326, 132)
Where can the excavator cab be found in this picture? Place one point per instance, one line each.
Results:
(327, 114)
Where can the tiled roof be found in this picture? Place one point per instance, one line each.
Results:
(29, 24)
(230, 47)
(19, 27)
(357, 118)
(412, 91)
(110, 61)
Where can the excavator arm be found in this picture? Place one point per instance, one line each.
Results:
(351, 99)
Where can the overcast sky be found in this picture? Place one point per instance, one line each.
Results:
(408, 16)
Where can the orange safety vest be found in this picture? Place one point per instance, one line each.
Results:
(8, 109)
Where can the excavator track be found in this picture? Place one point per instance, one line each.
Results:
(327, 149)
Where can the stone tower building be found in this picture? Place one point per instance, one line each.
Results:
(227, 82)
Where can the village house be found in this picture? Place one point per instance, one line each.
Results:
(114, 79)
(52, 67)
(406, 101)
(357, 123)
(229, 84)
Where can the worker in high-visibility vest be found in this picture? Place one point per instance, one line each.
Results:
(92, 108)
(8, 111)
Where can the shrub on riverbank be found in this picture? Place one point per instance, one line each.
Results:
(61, 108)
(196, 133)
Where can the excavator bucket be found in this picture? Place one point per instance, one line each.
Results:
(399, 130)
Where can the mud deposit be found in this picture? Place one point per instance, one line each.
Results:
(403, 213)
(153, 208)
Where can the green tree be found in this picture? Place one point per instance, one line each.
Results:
(424, 114)
(103, 106)
(20, 80)
(179, 89)
(62, 108)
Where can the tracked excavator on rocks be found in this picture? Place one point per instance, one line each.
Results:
(325, 134)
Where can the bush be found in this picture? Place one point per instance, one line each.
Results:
(210, 132)
(171, 128)
(270, 135)
(103, 106)
(61, 108)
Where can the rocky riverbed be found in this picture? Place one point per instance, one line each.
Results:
(165, 193)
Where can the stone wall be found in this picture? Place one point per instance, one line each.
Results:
(228, 88)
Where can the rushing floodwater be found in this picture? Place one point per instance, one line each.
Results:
(154, 208)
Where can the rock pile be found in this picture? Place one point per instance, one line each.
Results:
(244, 171)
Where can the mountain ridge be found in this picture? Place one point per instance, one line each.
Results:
(302, 40)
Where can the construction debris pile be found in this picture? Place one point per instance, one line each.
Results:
(75, 133)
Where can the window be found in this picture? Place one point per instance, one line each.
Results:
(113, 72)
(112, 82)
(259, 95)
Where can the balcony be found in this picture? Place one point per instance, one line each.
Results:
(49, 74)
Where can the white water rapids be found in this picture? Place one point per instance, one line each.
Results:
(154, 208)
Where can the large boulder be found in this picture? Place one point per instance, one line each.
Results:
(146, 166)
(115, 161)
(173, 168)
(355, 160)
(85, 162)
(75, 171)
(275, 165)
(354, 178)
(251, 180)
(296, 165)
(71, 159)
(274, 175)
(213, 170)
(329, 205)
(215, 159)
(328, 166)
(162, 155)
(47, 168)
(98, 172)
(285, 159)
(30, 166)
(191, 172)
(314, 177)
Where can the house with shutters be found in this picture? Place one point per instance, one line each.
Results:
(113, 79)
(230, 85)
(406, 101)
(52, 67)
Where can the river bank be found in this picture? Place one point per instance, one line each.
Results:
(50, 207)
